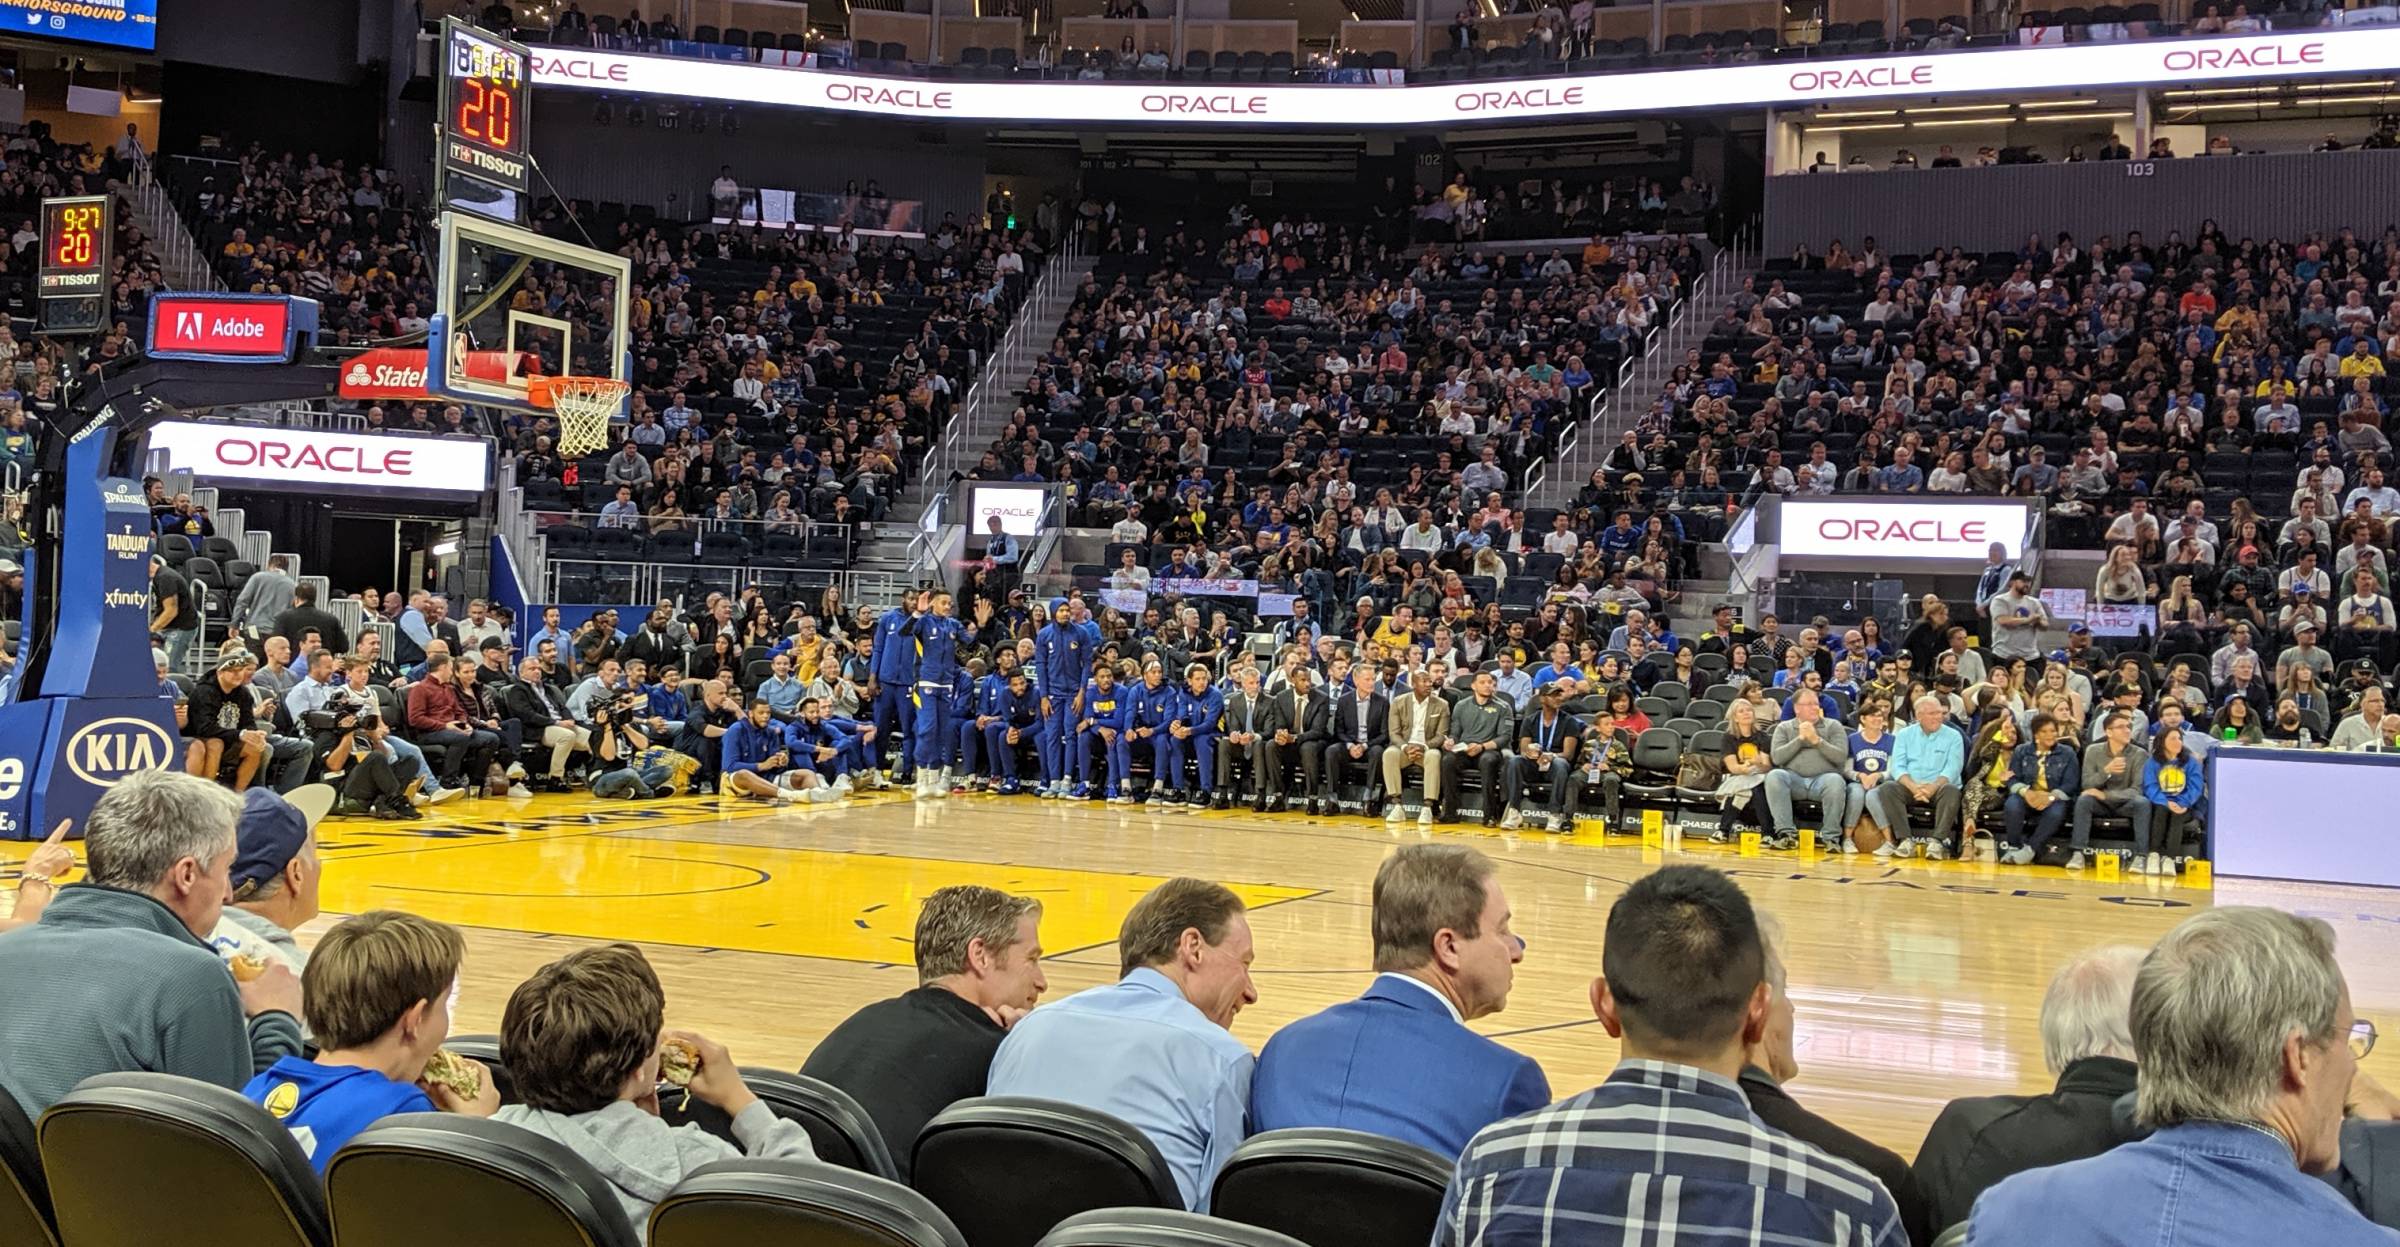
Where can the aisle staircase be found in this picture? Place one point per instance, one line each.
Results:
(181, 258)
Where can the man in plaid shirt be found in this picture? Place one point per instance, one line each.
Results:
(1667, 1153)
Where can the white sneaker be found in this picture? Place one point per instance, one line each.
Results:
(1425, 816)
(516, 770)
(439, 795)
(1558, 822)
(2075, 860)
(1848, 849)
(1885, 851)
(2160, 865)
(1395, 814)
(519, 790)
(1511, 820)
(941, 782)
(844, 783)
(788, 796)
(823, 793)
(1934, 852)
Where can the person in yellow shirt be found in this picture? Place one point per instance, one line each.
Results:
(1596, 252)
(1398, 630)
(801, 287)
(2362, 361)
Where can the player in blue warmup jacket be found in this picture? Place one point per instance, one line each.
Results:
(1062, 657)
(1191, 736)
(937, 637)
(1153, 706)
(963, 743)
(816, 744)
(1107, 712)
(1016, 720)
(894, 662)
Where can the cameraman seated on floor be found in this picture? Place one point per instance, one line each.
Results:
(624, 764)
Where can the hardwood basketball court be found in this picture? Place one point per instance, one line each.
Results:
(1915, 982)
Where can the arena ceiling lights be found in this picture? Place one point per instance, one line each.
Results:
(2020, 71)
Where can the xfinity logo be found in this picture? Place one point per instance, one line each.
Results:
(111, 749)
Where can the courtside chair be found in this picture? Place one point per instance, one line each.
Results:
(244, 1175)
(1333, 1188)
(838, 1127)
(1163, 1227)
(440, 1178)
(1007, 1169)
(25, 1216)
(795, 1201)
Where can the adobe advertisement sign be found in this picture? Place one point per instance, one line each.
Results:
(2182, 62)
(256, 457)
(1842, 530)
(229, 328)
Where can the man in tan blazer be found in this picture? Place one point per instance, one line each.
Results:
(1420, 722)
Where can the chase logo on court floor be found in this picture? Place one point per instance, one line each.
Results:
(108, 750)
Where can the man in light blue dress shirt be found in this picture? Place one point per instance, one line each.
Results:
(2247, 1044)
(1152, 1048)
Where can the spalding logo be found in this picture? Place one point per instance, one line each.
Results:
(108, 750)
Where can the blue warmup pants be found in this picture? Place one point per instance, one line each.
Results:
(895, 724)
(1057, 728)
(1114, 762)
(1173, 753)
(933, 734)
(1002, 756)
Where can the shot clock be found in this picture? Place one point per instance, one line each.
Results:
(72, 277)
(486, 107)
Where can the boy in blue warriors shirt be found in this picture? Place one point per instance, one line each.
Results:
(378, 988)
(1107, 712)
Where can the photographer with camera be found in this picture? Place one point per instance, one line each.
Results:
(543, 716)
(617, 748)
(351, 742)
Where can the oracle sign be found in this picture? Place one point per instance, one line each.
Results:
(1019, 507)
(1873, 528)
(228, 328)
(243, 454)
(2013, 70)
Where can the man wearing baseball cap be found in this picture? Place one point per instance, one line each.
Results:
(274, 876)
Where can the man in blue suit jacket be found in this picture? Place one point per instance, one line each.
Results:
(1399, 1061)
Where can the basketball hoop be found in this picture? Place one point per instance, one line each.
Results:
(584, 406)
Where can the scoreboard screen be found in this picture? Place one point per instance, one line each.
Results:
(75, 240)
(485, 107)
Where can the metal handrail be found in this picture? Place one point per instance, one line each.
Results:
(179, 251)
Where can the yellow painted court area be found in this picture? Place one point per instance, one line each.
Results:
(846, 906)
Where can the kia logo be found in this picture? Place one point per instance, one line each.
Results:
(2256, 56)
(1873, 77)
(1902, 532)
(108, 750)
(878, 96)
(243, 452)
(1516, 101)
(577, 70)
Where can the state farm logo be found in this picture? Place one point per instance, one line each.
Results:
(1903, 532)
(1210, 103)
(1527, 100)
(340, 460)
(384, 377)
(1854, 78)
(111, 749)
(2237, 56)
(575, 70)
(878, 95)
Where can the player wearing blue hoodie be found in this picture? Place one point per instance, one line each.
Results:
(1191, 736)
(1107, 713)
(1062, 657)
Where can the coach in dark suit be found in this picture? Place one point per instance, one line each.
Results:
(1399, 1061)
(1355, 740)
(1244, 740)
(2087, 1039)
(1297, 729)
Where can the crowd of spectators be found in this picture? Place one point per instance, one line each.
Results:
(2383, 138)
(2233, 1038)
(1311, 405)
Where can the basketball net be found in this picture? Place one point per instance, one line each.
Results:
(583, 405)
